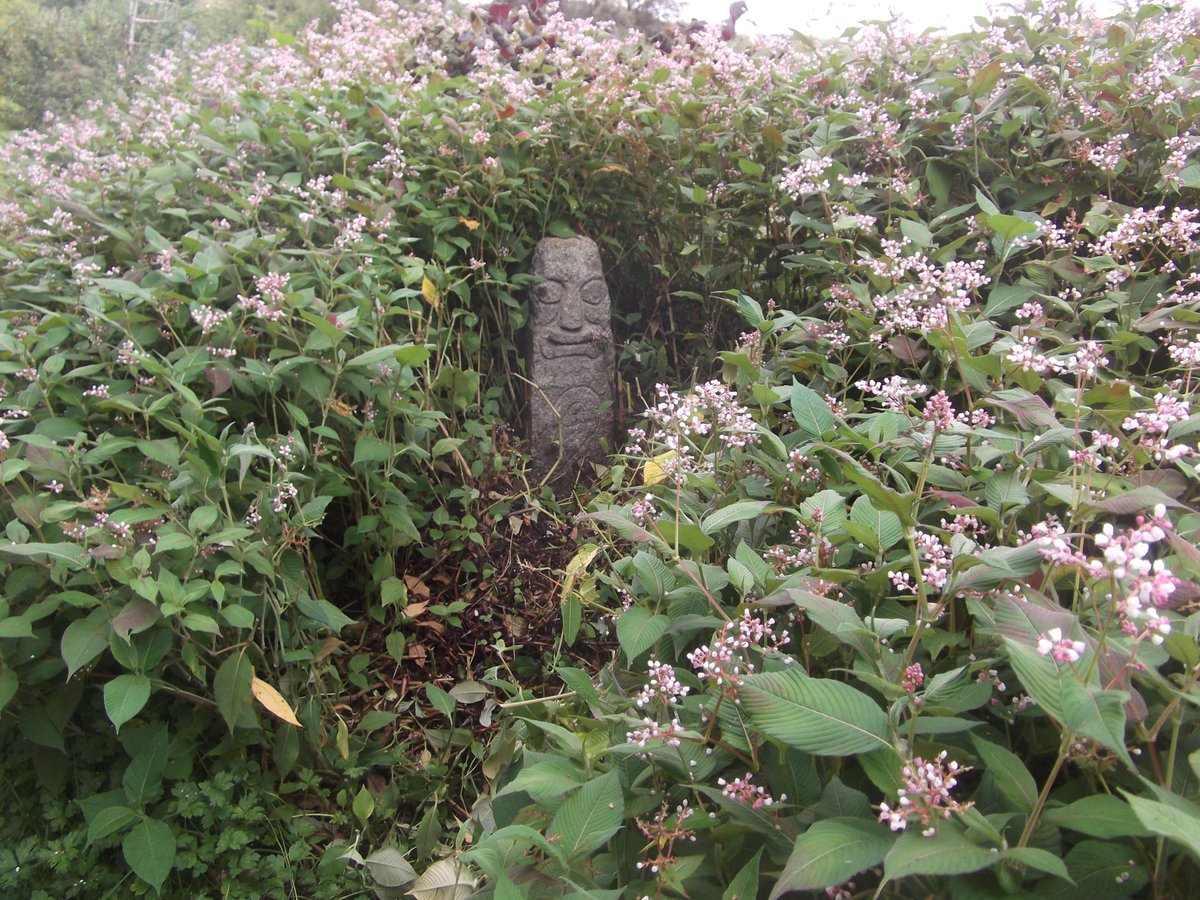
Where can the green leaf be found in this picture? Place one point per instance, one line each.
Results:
(109, 820)
(84, 640)
(232, 686)
(745, 883)
(1012, 778)
(589, 817)
(364, 804)
(8, 687)
(441, 700)
(16, 627)
(1003, 490)
(884, 523)
(1178, 822)
(638, 629)
(324, 613)
(735, 512)
(1097, 714)
(817, 715)
(72, 555)
(1039, 676)
(374, 357)
(124, 698)
(144, 773)
(813, 417)
(547, 779)
(946, 852)
(831, 852)
(149, 849)
(831, 506)
(1042, 860)
(1101, 816)
(389, 868)
(1102, 869)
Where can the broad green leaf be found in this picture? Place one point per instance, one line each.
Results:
(231, 686)
(589, 817)
(109, 820)
(1102, 869)
(324, 613)
(946, 852)
(389, 868)
(1101, 816)
(363, 805)
(745, 883)
(1097, 714)
(84, 640)
(446, 879)
(72, 555)
(1012, 778)
(547, 779)
(143, 775)
(884, 523)
(8, 687)
(817, 715)
(1179, 823)
(813, 417)
(1004, 490)
(831, 852)
(638, 629)
(441, 700)
(16, 627)
(149, 849)
(735, 512)
(1039, 676)
(124, 698)
(1042, 860)
(832, 507)
(839, 619)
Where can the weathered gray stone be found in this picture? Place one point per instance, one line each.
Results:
(570, 359)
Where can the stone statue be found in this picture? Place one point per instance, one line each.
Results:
(570, 359)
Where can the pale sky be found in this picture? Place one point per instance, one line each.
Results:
(828, 17)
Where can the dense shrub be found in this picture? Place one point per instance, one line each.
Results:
(260, 340)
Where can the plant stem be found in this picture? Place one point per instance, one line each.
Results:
(1036, 813)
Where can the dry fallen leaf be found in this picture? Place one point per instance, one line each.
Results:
(273, 701)
(416, 586)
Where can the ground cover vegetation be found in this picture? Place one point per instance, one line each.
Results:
(889, 590)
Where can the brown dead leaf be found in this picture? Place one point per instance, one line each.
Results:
(273, 702)
(414, 610)
(417, 586)
(331, 644)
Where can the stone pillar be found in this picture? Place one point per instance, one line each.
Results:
(570, 359)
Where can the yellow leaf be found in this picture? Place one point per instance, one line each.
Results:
(470, 223)
(577, 566)
(612, 169)
(653, 472)
(430, 292)
(273, 701)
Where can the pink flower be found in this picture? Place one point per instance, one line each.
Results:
(1059, 648)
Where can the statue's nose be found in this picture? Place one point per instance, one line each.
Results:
(572, 313)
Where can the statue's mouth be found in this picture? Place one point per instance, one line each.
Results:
(558, 345)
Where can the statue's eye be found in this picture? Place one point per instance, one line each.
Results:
(548, 292)
(594, 292)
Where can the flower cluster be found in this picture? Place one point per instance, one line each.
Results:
(725, 660)
(742, 791)
(1059, 648)
(691, 427)
(925, 795)
(661, 685)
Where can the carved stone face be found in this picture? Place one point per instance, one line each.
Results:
(571, 313)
